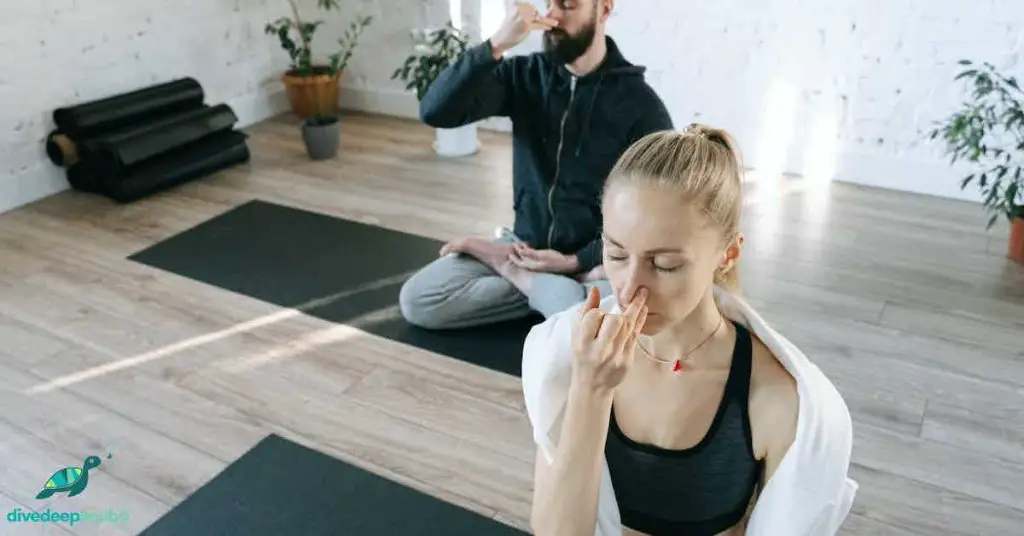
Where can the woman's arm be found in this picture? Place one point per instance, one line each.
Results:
(566, 491)
(774, 407)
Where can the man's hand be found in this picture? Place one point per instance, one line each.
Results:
(522, 18)
(544, 260)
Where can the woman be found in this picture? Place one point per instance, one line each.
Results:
(684, 413)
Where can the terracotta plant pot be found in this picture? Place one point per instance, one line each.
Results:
(309, 95)
(1015, 251)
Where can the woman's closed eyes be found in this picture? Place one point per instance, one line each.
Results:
(661, 267)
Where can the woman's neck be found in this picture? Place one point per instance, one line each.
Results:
(705, 324)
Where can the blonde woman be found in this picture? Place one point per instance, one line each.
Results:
(672, 407)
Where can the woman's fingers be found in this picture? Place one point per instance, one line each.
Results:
(590, 325)
(591, 316)
(610, 329)
(638, 327)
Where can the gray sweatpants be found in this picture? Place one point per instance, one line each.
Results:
(458, 291)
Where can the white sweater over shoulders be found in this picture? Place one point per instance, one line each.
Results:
(809, 495)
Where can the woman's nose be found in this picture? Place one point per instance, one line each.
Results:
(631, 290)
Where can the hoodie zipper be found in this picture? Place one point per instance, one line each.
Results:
(558, 160)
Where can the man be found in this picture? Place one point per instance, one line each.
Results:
(575, 107)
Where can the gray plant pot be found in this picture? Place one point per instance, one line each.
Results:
(322, 136)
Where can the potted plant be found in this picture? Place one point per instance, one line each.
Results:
(419, 71)
(987, 132)
(313, 88)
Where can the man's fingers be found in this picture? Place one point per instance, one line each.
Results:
(525, 252)
(546, 22)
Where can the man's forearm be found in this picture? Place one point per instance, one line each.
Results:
(589, 256)
(567, 499)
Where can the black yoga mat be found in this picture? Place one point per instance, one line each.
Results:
(291, 257)
(129, 108)
(280, 487)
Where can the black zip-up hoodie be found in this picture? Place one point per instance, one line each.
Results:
(568, 132)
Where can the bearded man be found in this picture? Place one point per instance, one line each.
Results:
(575, 107)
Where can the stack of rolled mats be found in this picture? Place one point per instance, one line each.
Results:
(135, 144)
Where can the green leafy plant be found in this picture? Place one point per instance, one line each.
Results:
(988, 133)
(296, 38)
(422, 67)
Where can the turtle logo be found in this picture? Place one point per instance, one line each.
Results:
(71, 480)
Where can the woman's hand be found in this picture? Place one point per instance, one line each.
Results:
(604, 344)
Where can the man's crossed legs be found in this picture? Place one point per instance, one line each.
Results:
(482, 286)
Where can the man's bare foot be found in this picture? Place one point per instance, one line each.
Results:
(520, 277)
(495, 256)
(487, 252)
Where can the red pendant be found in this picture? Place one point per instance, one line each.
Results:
(678, 367)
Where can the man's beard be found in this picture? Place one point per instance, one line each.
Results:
(564, 48)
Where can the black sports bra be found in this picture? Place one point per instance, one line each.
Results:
(699, 491)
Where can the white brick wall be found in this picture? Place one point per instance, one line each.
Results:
(63, 52)
(847, 86)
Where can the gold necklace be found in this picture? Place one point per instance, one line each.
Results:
(677, 367)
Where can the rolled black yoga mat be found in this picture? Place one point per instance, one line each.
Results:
(292, 258)
(149, 140)
(281, 488)
(66, 151)
(129, 108)
(198, 159)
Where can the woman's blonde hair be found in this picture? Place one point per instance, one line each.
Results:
(701, 163)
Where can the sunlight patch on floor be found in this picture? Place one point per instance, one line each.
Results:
(243, 327)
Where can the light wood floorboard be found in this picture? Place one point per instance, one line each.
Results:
(905, 301)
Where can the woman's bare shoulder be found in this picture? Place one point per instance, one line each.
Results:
(774, 403)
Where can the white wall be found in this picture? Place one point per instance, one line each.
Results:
(840, 88)
(844, 87)
(57, 56)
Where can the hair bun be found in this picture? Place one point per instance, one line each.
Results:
(697, 129)
(714, 135)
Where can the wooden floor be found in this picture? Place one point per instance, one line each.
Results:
(903, 300)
